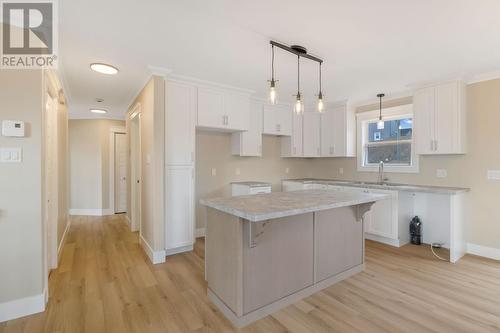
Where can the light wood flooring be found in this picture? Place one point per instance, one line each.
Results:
(105, 283)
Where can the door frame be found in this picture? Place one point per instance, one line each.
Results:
(135, 191)
(112, 157)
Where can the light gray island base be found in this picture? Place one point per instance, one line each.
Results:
(255, 268)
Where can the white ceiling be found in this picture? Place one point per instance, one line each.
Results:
(367, 46)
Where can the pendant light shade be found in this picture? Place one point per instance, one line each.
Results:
(272, 89)
(299, 106)
(321, 106)
(380, 122)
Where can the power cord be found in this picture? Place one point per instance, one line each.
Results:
(437, 246)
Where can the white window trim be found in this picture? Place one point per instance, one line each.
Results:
(387, 114)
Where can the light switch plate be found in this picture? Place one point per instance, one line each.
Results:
(237, 172)
(341, 171)
(493, 174)
(214, 172)
(287, 170)
(441, 173)
(11, 155)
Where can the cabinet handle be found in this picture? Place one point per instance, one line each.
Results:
(294, 150)
(192, 157)
(318, 150)
(278, 128)
(260, 148)
(227, 119)
(436, 145)
(432, 145)
(223, 120)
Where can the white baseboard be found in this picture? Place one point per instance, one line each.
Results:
(385, 240)
(179, 249)
(63, 240)
(156, 257)
(200, 232)
(22, 307)
(127, 220)
(91, 212)
(483, 251)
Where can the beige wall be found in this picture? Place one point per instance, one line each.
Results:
(89, 151)
(483, 117)
(21, 247)
(213, 150)
(152, 107)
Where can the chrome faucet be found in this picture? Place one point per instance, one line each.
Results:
(381, 178)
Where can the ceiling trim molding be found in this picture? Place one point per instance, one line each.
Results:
(388, 97)
(487, 76)
(200, 82)
(159, 71)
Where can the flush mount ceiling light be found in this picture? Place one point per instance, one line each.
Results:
(380, 122)
(98, 111)
(300, 51)
(104, 68)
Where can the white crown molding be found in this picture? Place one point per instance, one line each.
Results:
(200, 82)
(388, 97)
(159, 71)
(487, 76)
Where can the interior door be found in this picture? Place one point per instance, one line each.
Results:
(120, 173)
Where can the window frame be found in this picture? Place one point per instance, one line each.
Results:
(392, 113)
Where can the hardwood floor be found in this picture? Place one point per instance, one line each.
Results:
(105, 283)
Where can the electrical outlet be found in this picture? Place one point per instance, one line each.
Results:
(237, 172)
(441, 173)
(341, 171)
(214, 172)
(287, 170)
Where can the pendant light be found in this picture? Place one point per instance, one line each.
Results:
(272, 88)
(299, 107)
(380, 122)
(321, 106)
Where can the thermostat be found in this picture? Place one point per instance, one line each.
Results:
(13, 128)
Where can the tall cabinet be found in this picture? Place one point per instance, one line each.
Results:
(338, 131)
(439, 113)
(180, 135)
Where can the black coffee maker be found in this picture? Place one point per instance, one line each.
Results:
(416, 231)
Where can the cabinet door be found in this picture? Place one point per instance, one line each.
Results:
(339, 132)
(311, 137)
(249, 143)
(284, 117)
(211, 108)
(270, 121)
(237, 111)
(446, 120)
(179, 227)
(327, 133)
(180, 123)
(382, 218)
(297, 145)
(424, 114)
(338, 242)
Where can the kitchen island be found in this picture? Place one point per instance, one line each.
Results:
(266, 251)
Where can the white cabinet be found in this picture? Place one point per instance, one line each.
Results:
(179, 209)
(277, 120)
(439, 114)
(292, 146)
(225, 110)
(249, 143)
(180, 123)
(311, 134)
(238, 189)
(382, 219)
(338, 131)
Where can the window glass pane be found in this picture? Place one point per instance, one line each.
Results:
(398, 129)
(397, 153)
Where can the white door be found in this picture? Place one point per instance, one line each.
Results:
(211, 108)
(180, 123)
(135, 173)
(339, 132)
(120, 173)
(284, 114)
(251, 140)
(51, 186)
(269, 120)
(237, 111)
(327, 133)
(446, 119)
(179, 229)
(311, 134)
(424, 106)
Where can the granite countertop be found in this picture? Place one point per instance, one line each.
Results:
(267, 206)
(252, 183)
(385, 186)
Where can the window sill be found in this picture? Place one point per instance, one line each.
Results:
(390, 169)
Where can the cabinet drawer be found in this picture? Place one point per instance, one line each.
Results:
(260, 190)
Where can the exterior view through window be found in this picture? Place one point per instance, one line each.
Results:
(392, 144)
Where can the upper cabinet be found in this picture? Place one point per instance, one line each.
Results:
(338, 131)
(439, 115)
(311, 134)
(292, 146)
(277, 120)
(223, 109)
(180, 119)
(249, 143)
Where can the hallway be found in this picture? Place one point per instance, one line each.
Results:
(105, 283)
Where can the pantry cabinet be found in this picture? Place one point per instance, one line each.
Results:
(440, 120)
(338, 131)
(277, 120)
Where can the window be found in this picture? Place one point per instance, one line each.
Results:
(393, 144)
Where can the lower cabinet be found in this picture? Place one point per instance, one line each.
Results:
(338, 241)
(284, 244)
(179, 209)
